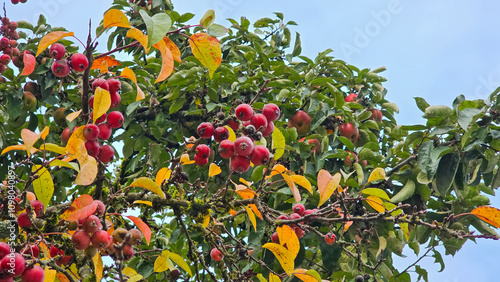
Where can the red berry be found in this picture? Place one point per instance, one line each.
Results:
(32, 250)
(23, 220)
(260, 155)
(104, 131)
(115, 99)
(205, 130)
(376, 115)
(12, 25)
(91, 224)
(240, 164)
(13, 264)
(200, 161)
(299, 209)
(275, 238)
(37, 207)
(100, 119)
(259, 121)
(80, 240)
(33, 274)
(330, 238)
(114, 85)
(4, 249)
(91, 102)
(65, 135)
(221, 133)
(106, 153)
(60, 68)
(244, 112)
(216, 255)
(283, 217)
(5, 21)
(14, 44)
(101, 208)
(79, 62)
(243, 146)
(269, 129)
(128, 252)
(352, 97)
(4, 43)
(57, 51)
(5, 59)
(115, 119)
(203, 151)
(349, 131)
(100, 82)
(234, 125)
(299, 232)
(101, 239)
(295, 216)
(54, 251)
(90, 132)
(226, 149)
(271, 112)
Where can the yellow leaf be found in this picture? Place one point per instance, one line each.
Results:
(162, 175)
(376, 203)
(377, 174)
(206, 221)
(53, 148)
(148, 184)
(115, 17)
(293, 188)
(134, 276)
(274, 278)
(488, 214)
(74, 115)
(232, 136)
(278, 143)
(277, 169)
(176, 53)
(44, 133)
(404, 227)
(376, 192)
(88, 171)
(283, 255)
(143, 202)
(303, 275)
(167, 61)
(248, 184)
(302, 181)
(140, 37)
(51, 38)
(160, 264)
(207, 50)
(288, 236)
(251, 215)
(29, 138)
(180, 262)
(185, 160)
(98, 266)
(49, 274)
(128, 73)
(214, 170)
(327, 184)
(14, 147)
(43, 185)
(382, 244)
(261, 278)
(102, 103)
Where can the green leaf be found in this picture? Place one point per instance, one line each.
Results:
(466, 116)
(43, 185)
(376, 192)
(297, 49)
(157, 26)
(422, 273)
(208, 18)
(446, 173)
(421, 103)
(346, 142)
(217, 30)
(177, 105)
(437, 112)
(405, 193)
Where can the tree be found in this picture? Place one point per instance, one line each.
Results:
(168, 192)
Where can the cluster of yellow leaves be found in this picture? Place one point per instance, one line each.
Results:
(292, 180)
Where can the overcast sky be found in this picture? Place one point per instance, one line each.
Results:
(432, 49)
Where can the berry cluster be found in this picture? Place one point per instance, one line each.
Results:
(13, 264)
(23, 219)
(15, 2)
(8, 44)
(62, 66)
(243, 150)
(299, 210)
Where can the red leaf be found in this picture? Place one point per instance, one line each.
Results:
(29, 64)
(81, 207)
(146, 231)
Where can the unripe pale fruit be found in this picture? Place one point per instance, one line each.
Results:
(13, 264)
(106, 153)
(243, 146)
(205, 130)
(216, 255)
(72, 225)
(271, 112)
(349, 131)
(60, 116)
(79, 62)
(240, 164)
(91, 251)
(221, 133)
(60, 68)
(330, 238)
(33, 274)
(301, 121)
(136, 237)
(100, 82)
(115, 119)
(23, 220)
(260, 155)
(105, 131)
(119, 234)
(244, 112)
(37, 207)
(57, 51)
(91, 224)
(80, 240)
(259, 121)
(226, 149)
(203, 151)
(91, 132)
(29, 101)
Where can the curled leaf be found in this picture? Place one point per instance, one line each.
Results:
(51, 38)
(128, 73)
(167, 61)
(162, 175)
(288, 237)
(376, 203)
(377, 174)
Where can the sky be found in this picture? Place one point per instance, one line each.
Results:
(431, 49)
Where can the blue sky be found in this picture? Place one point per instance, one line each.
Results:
(432, 49)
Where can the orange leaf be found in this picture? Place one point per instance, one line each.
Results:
(128, 73)
(277, 169)
(327, 184)
(303, 275)
(44, 133)
(115, 17)
(146, 231)
(81, 207)
(29, 64)
(29, 137)
(72, 116)
(140, 37)
(162, 175)
(62, 277)
(51, 38)
(167, 61)
(288, 236)
(102, 103)
(207, 50)
(104, 67)
(232, 212)
(488, 214)
(110, 61)
(176, 53)
(17, 147)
